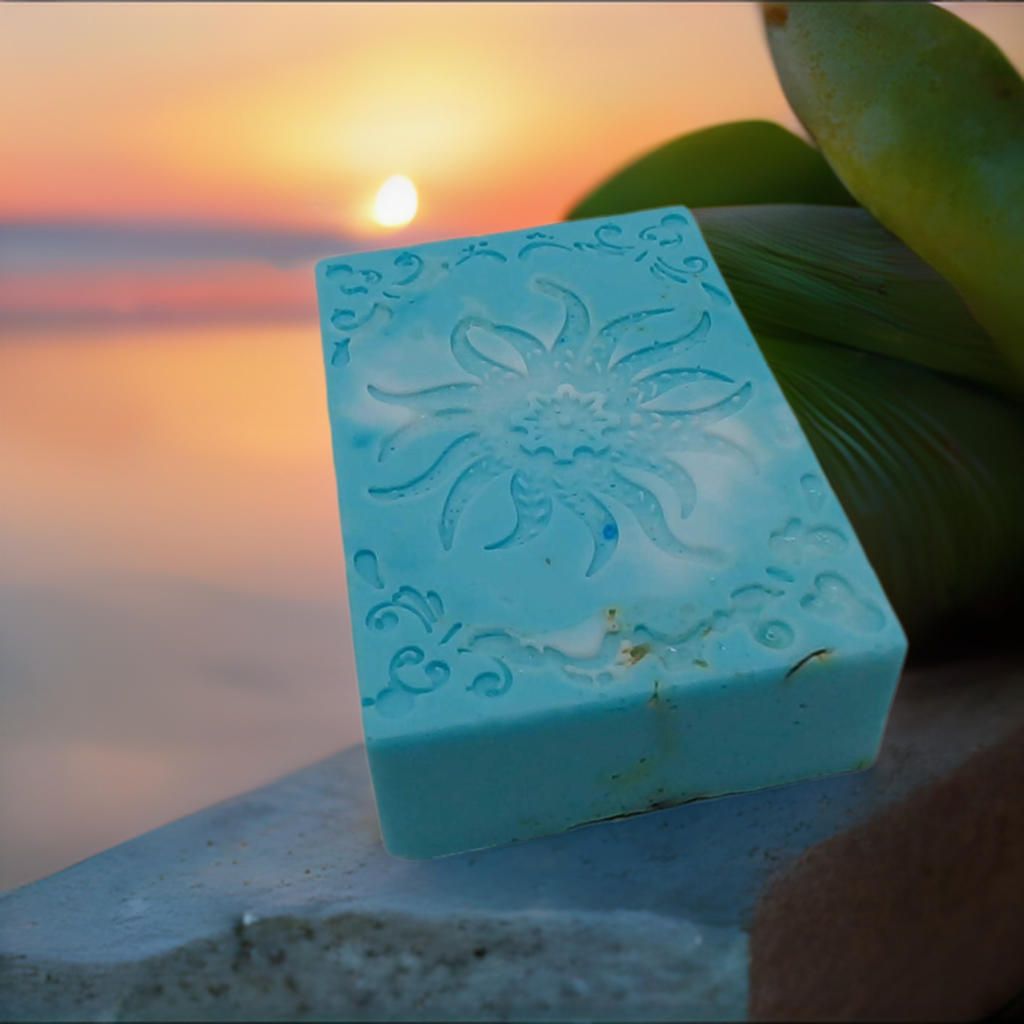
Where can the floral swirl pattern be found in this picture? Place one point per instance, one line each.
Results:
(654, 240)
(369, 298)
(416, 670)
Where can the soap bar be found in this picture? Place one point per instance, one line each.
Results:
(593, 565)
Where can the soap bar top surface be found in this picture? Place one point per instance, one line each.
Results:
(565, 471)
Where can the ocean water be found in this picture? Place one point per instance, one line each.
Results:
(173, 621)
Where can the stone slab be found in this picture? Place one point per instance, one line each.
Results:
(894, 893)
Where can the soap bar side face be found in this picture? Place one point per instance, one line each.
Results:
(568, 479)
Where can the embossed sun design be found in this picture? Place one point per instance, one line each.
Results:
(570, 422)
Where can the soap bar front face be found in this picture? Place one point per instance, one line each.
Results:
(593, 564)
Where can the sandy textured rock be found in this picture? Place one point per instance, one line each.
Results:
(897, 892)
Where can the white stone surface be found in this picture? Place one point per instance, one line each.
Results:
(282, 903)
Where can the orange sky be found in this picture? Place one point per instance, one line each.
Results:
(294, 113)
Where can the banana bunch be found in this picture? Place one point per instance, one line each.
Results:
(883, 277)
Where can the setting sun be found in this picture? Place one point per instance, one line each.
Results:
(396, 202)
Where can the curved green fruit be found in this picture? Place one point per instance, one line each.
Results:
(728, 165)
(834, 273)
(922, 117)
(926, 468)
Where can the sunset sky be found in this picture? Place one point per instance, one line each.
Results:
(291, 115)
(145, 139)
(173, 626)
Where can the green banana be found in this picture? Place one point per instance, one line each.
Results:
(922, 117)
(742, 162)
(927, 469)
(835, 274)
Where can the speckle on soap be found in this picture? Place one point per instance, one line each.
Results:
(579, 549)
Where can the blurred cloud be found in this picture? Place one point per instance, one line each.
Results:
(27, 246)
(86, 276)
(102, 274)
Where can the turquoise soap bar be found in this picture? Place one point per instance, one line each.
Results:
(593, 565)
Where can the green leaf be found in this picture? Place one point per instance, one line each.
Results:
(727, 165)
(922, 117)
(836, 275)
(928, 470)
